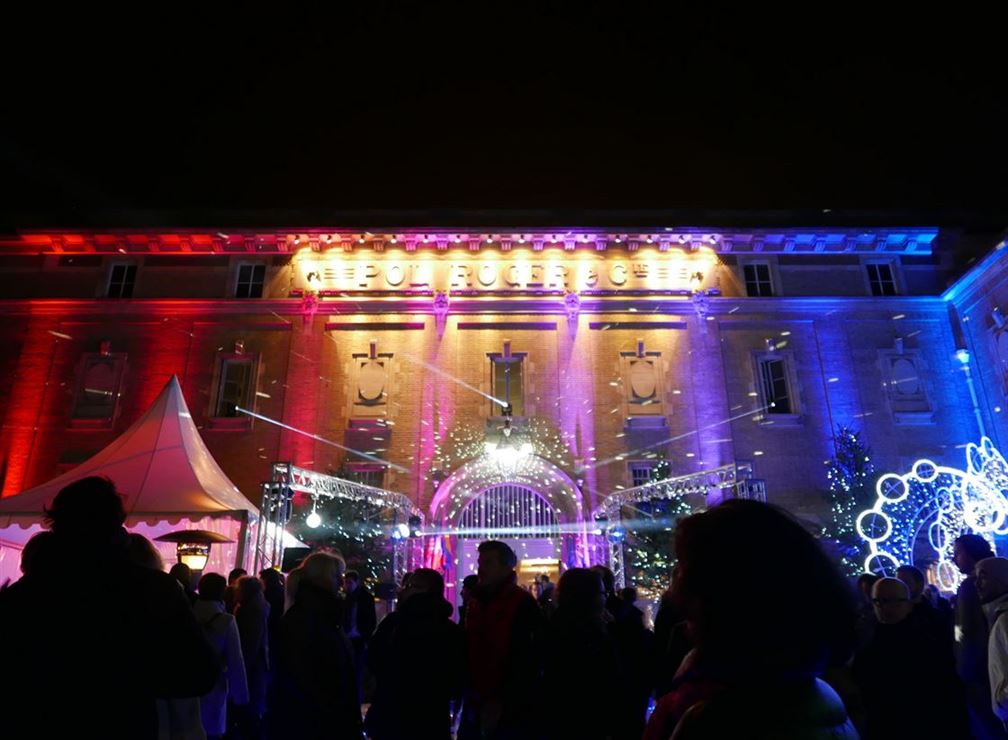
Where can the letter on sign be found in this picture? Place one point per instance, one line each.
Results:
(487, 274)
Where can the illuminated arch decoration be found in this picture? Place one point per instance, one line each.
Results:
(918, 515)
(557, 489)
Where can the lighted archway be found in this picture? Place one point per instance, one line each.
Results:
(476, 476)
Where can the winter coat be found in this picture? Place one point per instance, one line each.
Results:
(635, 647)
(503, 632)
(997, 655)
(179, 719)
(417, 656)
(708, 701)
(359, 605)
(970, 633)
(313, 693)
(798, 709)
(252, 619)
(275, 598)
(902, 669)
(67, 631)
(222, 632)
(580, 669)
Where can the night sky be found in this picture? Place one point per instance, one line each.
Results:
(188, 119)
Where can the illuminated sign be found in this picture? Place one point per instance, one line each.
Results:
(660, 273)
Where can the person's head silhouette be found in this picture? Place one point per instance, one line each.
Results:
(89, 511)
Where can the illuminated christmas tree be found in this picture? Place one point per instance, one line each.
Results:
(648, 552)
(851, 477)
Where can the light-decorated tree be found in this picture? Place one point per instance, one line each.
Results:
(850, 475)
(650, 533)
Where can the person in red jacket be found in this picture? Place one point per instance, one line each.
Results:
(503, 628)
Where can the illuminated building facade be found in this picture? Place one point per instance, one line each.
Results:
(617, 350)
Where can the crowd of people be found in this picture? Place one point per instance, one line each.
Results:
(758, 636)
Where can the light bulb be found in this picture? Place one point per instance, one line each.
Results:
(313, 520)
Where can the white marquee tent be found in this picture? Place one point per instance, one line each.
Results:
(168, 479)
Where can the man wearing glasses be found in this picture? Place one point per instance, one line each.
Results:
(903, 666)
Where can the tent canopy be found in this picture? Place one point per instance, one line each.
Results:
(161, 467)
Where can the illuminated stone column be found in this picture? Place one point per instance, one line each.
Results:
(711, 413)
(302, 399)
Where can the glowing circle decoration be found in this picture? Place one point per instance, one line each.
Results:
(918, 515)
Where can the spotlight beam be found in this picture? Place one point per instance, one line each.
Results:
(452, 378)
(317, 438)
(623, 455)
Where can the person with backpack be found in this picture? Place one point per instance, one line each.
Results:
(221, 631)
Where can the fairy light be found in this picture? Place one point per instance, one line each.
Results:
(937, 503)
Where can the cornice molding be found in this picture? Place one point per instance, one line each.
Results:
(796, 240)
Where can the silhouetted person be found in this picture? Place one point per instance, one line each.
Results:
(252, 617)
(63, 635)
(865, 613)
(614, 605)
(761, 641)
(417, 656)
(178, 718)
(182, 573)
(939, 602)
(469, 585)
(992, 586)
(359, 620)
(581, 668)
(635, 649)
(222, 631)
(907, 676)
(547, 595)
(971, 631)
(313, 692)
(671, 643)
(503, 625)
(143, 552)
(35, 549)
(273, 590)
(923, 610)
(232, 586)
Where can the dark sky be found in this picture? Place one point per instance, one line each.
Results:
(189, 118)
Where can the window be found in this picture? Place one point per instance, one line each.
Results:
(250, 281)
(757, 280)
(98, 388)
(775, 386)
(121, 281)
(881, 278)
(233, 387)
(507, 382)
(1001, 352)
(641, 472)
(369, 474)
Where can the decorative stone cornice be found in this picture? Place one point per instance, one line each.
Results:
(766, 241)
